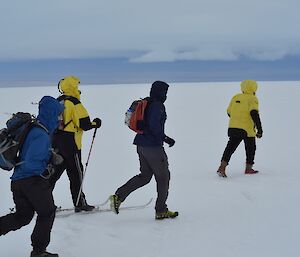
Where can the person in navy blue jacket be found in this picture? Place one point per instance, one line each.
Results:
(30, 188)
(152, 156)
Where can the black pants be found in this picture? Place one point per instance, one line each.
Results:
(74, 169)
(233, 143)
(65, 144)
(31, 195)
(153, 161)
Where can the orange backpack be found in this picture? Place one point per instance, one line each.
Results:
(135, 115)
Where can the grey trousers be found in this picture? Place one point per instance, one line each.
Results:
(153, 161)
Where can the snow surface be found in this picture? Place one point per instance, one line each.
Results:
(242, 216)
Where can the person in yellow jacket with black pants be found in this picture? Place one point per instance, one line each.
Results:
(67, 139)
(244, 125)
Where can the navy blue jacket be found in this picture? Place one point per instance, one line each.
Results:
(35, 153)
(155, 117)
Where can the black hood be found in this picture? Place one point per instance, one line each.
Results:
(159, 91)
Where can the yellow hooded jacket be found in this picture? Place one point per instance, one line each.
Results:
(240, 107)
(75, 117)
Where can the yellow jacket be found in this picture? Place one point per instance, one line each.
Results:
(240, 107)
(75, 117)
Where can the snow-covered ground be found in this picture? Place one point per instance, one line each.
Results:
(242, 216)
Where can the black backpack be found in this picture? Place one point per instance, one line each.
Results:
(12, 138)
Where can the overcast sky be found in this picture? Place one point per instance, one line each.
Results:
(147, 31)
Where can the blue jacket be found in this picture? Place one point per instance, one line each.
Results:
(155, 117)
(35, 153)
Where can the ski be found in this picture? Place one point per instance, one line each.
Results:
(65, 212)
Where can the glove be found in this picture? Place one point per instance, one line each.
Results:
(98, 122)
(56, 158)
(169, 141)
(48, 171)
(259, 134)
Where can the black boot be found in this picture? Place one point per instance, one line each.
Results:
(85, 207)
(43, 254)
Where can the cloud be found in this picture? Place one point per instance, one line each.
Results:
(167, 55)
(150, 31)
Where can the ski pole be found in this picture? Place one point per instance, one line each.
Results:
(86, 165)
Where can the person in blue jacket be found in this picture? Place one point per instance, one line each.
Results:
(29, 185)
(152, 156)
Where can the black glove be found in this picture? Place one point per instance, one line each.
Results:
(169, 141)
(259, 134)
(56, 158)
(48, 171)
(98, 122)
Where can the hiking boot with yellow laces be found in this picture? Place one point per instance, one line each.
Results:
(166, 215)
(115, 203)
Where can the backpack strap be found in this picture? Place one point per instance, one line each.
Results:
(63, 98)
(68, 123)
(38, 124)
(34, 122)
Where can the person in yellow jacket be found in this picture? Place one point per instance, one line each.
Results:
(68, 137)
(244, 125)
